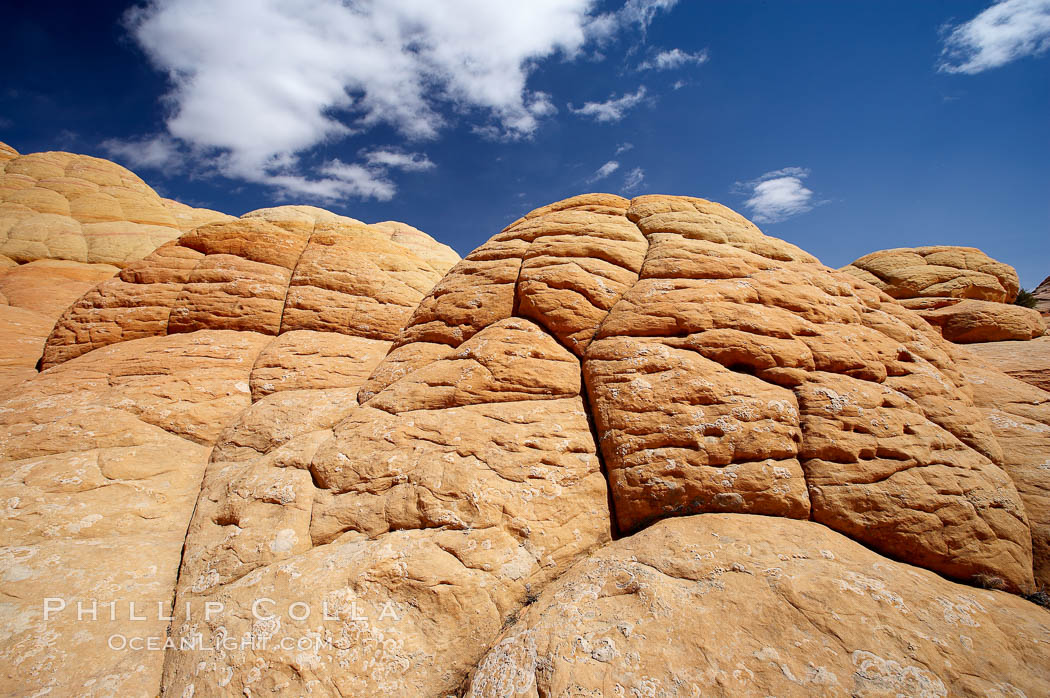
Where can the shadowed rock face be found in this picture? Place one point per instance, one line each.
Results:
(59, 205)
(415, 503)
(961, 291)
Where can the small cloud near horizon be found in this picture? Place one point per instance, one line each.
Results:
(633, 180)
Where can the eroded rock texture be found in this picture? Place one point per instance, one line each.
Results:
(59, 205)
(103, 456)
(725, 372)
(1042, 295)
(961, 291)
(938, 272)
(102, 462)
(271, 271)
(411, 468)
(1026, 361)
(443, 503)
(969, 321)
(1019, 414)
(730, 371)
(734, 605)
(7, 152)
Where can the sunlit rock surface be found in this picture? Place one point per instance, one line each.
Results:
(537, 472)
(964, 293)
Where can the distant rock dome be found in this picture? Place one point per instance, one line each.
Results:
(58, 205)
(961, 291)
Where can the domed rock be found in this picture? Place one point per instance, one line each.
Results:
(961, 291)
(271, 271)
(970, 321)
(730, 371)
(58, 205)
(103, 455)
(724, 371)
(940, 271)
(410, 517)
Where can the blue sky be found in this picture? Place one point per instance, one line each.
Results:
(842, 126)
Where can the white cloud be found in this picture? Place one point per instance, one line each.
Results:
(624, 147)
(1003, 33)
(778, 195)
(675, 58)
(339, 180)
(612, 109)
(256, 83)
(155, 152)
(640, 13)
(604, 171)
(679, 84)
(410, 162)
(633, 180)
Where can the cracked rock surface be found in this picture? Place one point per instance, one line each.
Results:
(103, 456)
(271, 271)
(961, 291)
(1019, 414)
(534, 471)
(58, 205)
(735, 605)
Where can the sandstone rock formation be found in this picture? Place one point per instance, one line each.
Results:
(968, 321)
(1026, 361)
(59, 205)
(32, 297)
(7, 152)
(962, 291)
(737, 605)
(1042, 295)
(1019, 414)
(271, 271)
(103, 456)
(938, 272)
(724, 370)
(297, 430)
